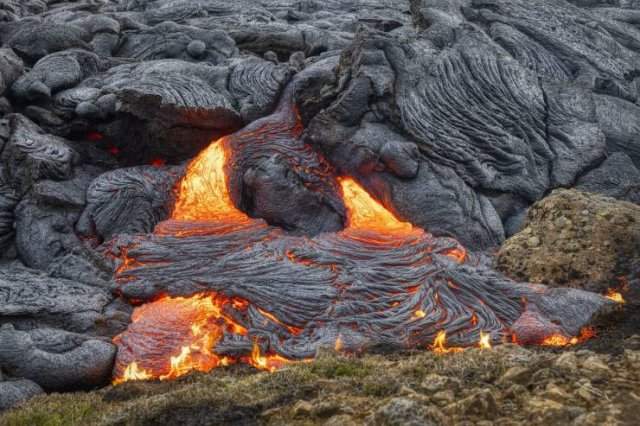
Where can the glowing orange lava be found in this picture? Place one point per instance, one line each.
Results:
(269, 363)
(188, 327)
(562, 340)
(485, 340)
(132, 373)
(614, 295)
(439, 345)
(365, 213)
(203, 193)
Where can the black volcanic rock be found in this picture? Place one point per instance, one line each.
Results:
(31, 299)
(54, 359)
(128, 201)
(13, 392)
(31, 155)
(616, 177)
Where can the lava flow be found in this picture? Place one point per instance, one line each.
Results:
(187, 329)
(367, 214)
(203, 193)
(222, 288)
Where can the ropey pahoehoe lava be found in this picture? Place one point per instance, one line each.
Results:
(219, 287)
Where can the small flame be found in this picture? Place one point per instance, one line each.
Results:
(561, 340)
(133, 372)
(195, 325)
(365, 213)
(485, 340)
(440, 344)
(419, 314)
(268, 363)
(614, 295)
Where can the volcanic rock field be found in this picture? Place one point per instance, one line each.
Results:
(237, 193)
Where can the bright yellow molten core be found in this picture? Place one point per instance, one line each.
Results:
(203, 191)
(365, 213)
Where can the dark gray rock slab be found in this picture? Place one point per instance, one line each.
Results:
(128, 201)
(11, 67)
(56, 360)
(56, 72)
(8, 202)
(35, 39)
(30, 299)
(31, 155)
(171, 40)
(16, 391)
(616, 177)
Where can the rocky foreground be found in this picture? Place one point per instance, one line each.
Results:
(507, 385)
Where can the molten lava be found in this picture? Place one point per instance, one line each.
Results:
(614, 295)
(562, 340)
(380, 276)
(203, 193)
(187, 328)
(365, 213)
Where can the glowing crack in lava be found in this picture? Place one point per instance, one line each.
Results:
(220, 287)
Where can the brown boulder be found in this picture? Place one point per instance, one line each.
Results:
(576, 239)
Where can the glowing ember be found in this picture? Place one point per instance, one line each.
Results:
(269, 363)
(615, 296)
(158, 162)
(132, 373)
(365, 213)
(485, 340)
(458, 254)
(419, 314)
(439, 345)
(562, 340)
(203, 194)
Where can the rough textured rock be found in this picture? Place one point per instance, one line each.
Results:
(128, 201)
(575, 239)
(30, 155)
(54, 359)
(11, 67)
(8, 201)
(56, 72)
(173, 108)
(401, 411)
(14, 392)
(31, 299)
(616, 177)
(34, 39)
(170, 40)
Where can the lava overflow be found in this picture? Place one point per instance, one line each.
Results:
(220, 287)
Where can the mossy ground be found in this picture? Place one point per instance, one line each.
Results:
(506, 385)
